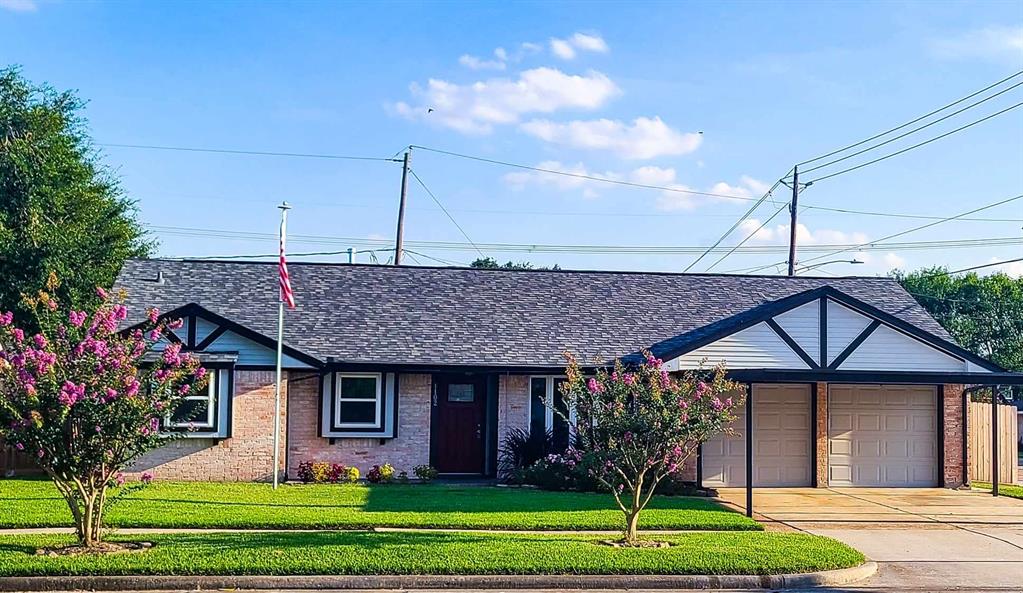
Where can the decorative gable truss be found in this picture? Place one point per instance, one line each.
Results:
(826, 330)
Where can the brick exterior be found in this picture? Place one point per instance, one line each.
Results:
(952, 396)
(513, 400)
(409, 449)
(821, 435)
(248, 454)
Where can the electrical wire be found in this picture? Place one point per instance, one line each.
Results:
(584, 176)
(913, 131)
(915, 146)
(251, 152)
(913, 121)
(448, 214)
(734, 226)
(748, 237)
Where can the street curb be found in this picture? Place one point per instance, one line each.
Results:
(828, 578)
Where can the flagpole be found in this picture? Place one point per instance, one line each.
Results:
(280, 348)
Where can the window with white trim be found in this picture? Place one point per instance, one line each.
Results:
(545, 396)
(197, 411)
(357, 400)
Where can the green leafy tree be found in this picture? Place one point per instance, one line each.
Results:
(983, 313)
(489, 263)
(61, 210)
(636, 426)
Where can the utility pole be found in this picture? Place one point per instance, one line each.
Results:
(793, 211)
(399, 241)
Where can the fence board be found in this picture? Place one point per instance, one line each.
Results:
(979, 424)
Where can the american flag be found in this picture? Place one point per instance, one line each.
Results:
(286, 295)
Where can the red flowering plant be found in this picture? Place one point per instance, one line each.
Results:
(85, 399)
(639, 425)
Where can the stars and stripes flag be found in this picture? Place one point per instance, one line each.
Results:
(287, 296)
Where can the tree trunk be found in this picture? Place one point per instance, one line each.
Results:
(632, 528)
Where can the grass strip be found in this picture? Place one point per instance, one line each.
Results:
(1010, 490)
(35, 503)
(359, 553)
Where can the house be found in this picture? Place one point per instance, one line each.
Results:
(853, 383)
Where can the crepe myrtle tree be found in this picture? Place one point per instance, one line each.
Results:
(635, 426)
(84, 400)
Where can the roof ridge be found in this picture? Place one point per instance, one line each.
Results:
(509, 271)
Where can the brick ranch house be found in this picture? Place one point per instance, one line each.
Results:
(852, 382)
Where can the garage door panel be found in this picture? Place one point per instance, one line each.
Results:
(892, 440)
(781, 447)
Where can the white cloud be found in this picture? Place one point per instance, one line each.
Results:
(521, 179)
(894, 262)
(644, 138)
(997, 42)
(477, 107)
(563, 49)
(679, 199)
(1014, 269)
(475, 63)
(779, 235)
(566, 48)
(19, 5)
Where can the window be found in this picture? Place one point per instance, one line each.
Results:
(197, 410)
(358, 400)
(461, 392)
(545, 396)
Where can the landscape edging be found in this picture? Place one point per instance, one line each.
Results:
(831, 578)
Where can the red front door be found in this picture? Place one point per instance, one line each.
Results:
(459, 427)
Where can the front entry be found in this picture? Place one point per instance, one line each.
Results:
(459, 421)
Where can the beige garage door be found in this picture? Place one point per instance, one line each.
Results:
(781, 443)
(882, 435)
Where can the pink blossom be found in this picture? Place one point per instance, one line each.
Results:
(40, 453)
(77, 318)
(30, 389)
(176, 324)
(200, 372)
(101, 293)
(70, 393)
(51, 305)
(614, 376)
(120, 479)
(717, 404)
(6, 318)
(630, 379)
(154, 335)
(184, 389)
(153, 314)
(19, 334)
(172, 355)
(146, 478)
(19, 446)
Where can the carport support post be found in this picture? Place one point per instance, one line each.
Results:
(994, 440)
(749, 450)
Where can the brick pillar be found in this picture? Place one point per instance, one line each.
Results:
(952, 396)
(821, 435)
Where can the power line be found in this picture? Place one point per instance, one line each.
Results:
(980, 267)
(914, 130)
(581, 249)
(252, 152)
(911, 122)
(748, 237)
(901, 233)
(584, 176)
(448, 214)
(918, 145)
(734, 226)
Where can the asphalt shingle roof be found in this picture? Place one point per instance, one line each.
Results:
(461, 316)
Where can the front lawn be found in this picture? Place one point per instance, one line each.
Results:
(347, 553)
(1010, 490)
(35, 503)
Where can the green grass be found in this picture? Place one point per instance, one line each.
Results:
(344, 553)
(1012, 491)
(35, 503)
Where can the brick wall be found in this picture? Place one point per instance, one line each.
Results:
(513, 400)
(953, 453)
(821, 435)
(248, 454)
(409, 449)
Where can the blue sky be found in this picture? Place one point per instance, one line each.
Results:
(714, 97)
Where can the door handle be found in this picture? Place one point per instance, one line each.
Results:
(479, 431)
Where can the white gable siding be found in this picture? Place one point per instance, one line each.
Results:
(844, 325)
(803, 325)
(756, 347)
(250, 352)
(889, 350)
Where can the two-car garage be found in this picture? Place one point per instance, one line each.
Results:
(877, 435)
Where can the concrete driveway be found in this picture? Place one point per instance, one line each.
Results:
(922, 539)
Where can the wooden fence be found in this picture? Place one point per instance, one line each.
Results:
(13, 462)
(979, 425)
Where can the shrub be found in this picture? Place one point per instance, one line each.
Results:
(402, 477)
(305, 471)
(522, 448)
(351, 475)
(321, 472)
(381, 474)
(425, 473)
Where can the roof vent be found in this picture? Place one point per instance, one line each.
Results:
(159, 277)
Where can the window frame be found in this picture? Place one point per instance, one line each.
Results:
(212, 399)
(338, 401)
